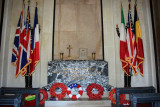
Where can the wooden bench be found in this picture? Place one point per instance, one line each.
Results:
(22, 91)
(129, 90)
(10, 100)
(145, 98)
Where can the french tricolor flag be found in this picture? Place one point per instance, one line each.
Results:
(35, 44)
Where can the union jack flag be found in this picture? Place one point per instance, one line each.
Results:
(16, 44)
(22, 63)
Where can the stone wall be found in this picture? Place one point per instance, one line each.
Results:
(111, 17)
(78, 23)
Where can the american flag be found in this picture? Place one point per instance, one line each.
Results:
(28, 36)
(131, 44)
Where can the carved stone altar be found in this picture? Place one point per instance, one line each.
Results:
(82, 72)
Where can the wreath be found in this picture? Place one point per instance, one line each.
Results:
(45, 96)
(54, 87)
(122, 98)
(91, 94)
(80, 91)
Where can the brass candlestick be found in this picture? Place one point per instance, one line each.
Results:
(61, 56)
(93, 55)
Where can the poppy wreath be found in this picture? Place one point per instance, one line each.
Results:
(80, 91)
(92, 95)
(122, 98)
(58, 85)
(45, 96)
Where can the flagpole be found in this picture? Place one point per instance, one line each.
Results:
(127, 78)
(135, 2)
(130, 68)
(28, 77)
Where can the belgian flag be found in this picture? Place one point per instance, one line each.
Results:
(139, 43)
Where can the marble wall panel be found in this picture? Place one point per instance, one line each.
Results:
(77, 1)
(66, 38)
(98, 17)
(91, 1)
(57, 17)
(68, 17)
(86, 18)
(90, 41)
(66, 1)
(56, 45)
(78, 23)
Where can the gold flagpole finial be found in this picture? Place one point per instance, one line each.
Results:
(36, 4)
(135, 2)
(121, 4)
(29, 3)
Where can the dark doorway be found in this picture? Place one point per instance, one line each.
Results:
(155, 13)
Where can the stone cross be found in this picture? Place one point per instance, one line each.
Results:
(69, 48)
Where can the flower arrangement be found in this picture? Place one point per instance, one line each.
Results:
(80, 91)
(91, 94)
(54, 87)
(45, 96)
(122, 98)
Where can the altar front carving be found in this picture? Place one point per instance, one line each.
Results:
(78, 71)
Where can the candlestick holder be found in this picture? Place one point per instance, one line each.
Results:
(93, 55)
(61, 56)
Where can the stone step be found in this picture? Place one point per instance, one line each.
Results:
(81, 102)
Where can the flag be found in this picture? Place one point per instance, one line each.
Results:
(125, 65)
(21, 64)
(139, 43)
(16, 44)
(28, 35)
(131, 44)
(35, 44)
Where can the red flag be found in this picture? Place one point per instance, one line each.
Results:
(35, 44)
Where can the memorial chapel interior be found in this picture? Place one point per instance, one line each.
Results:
(79, 42)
